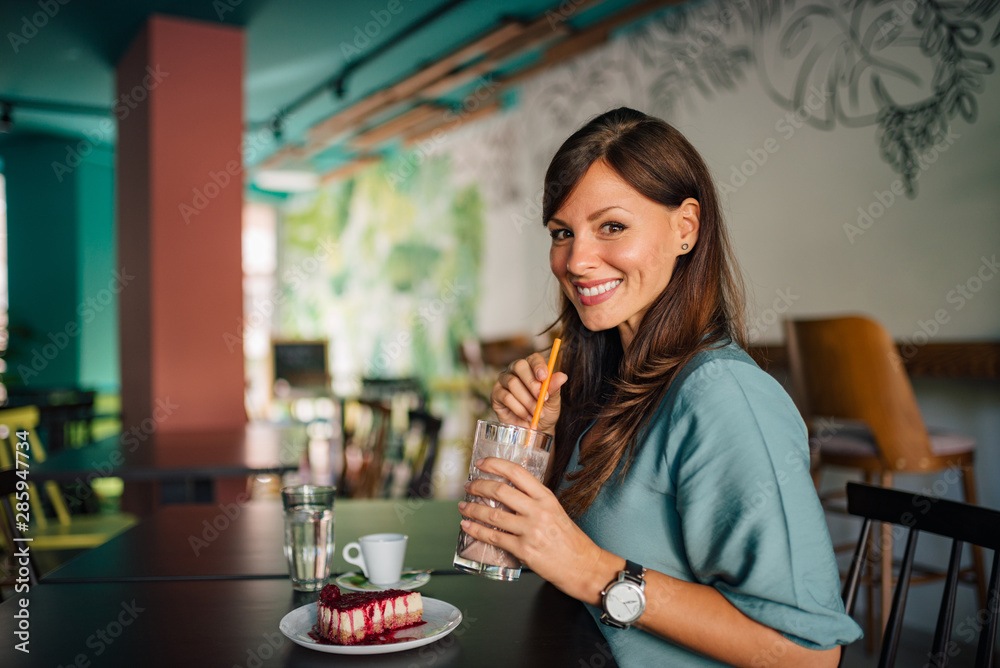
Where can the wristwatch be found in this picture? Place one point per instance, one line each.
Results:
(624, 599)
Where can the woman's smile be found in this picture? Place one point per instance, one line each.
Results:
(596, 292)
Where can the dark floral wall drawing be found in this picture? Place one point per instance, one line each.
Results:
(859, 55)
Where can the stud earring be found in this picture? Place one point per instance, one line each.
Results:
(684, 247)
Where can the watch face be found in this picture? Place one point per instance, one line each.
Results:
(625, 602)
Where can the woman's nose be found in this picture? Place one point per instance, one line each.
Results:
(582, 257)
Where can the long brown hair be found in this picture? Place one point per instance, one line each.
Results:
(701, 307)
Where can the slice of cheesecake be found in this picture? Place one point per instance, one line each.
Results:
(359, 617)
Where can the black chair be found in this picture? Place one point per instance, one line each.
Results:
(961, 522)
(421, 481)
(11, 534)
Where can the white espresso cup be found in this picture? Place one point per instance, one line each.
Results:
(379, 556)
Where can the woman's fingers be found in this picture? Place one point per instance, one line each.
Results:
(490, 536)
(516, 390)
(500, 518)
(509, 409)
(517, 499)
(518, 476)
(550, 411)
(520, 382)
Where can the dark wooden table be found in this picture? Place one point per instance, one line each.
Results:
(233, 540)
(228, 623)
(256, 448)
(180, 467)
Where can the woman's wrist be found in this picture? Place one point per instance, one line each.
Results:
(605, 569)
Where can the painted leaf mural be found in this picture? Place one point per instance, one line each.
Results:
(399, 292)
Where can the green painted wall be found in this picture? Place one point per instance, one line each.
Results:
(60, 247)
(99, 279)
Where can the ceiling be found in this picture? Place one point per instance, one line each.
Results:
(58, 71)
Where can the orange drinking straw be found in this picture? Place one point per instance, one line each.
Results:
(545, 384)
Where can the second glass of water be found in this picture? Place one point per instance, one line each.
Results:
(309, 541)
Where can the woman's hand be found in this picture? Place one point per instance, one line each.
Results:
(538, 532)
(516, 392)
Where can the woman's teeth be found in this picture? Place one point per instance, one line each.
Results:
(598, 289)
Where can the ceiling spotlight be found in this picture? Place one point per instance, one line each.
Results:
(338, 86)
(6, 120)
(286, 181)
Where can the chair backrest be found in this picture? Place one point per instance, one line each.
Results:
(363, 472)
(429, 428)
(11, 494)
(961, 522)
(25, 420)
(849, 368)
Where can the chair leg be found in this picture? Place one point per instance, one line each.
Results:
(869, 478)
(870, 597)
(969, 486)
(816, 468)
(886, 546)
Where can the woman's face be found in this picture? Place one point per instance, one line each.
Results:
(613, 249)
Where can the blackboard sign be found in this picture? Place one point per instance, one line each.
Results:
(302, 364)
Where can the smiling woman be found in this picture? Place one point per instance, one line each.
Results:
(666, 431)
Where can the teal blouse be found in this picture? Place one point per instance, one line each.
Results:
(720, 494)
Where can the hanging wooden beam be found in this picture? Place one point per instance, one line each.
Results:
(380, 133)
(406, 88)
(450, 124)
(289, 153)
(461, 67)
(349, 169)
(586, 39)
(526, 42)
(537, 34)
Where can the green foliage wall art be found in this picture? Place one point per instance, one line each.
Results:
(385, 266)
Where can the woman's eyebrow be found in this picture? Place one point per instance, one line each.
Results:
(600, 212)
(592, 217)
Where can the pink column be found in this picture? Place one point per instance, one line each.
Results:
(179, 196)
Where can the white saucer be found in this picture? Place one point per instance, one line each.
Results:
(358, 582)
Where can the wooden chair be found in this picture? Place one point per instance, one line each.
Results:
(64, 531)
(855, 395)
(427, 429)
(961, 522)
(12, 535)
(65, 415)
(368, 424)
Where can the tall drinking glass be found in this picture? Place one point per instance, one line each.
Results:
(529, 448)
(309, 543)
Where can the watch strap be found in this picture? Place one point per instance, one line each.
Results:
(634, 572)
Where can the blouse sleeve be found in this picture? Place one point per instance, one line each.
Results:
(752, 524)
